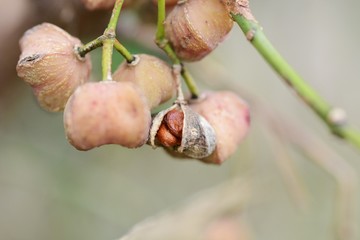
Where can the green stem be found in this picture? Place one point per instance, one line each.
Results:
(190, 83)
(253, 32)
(160, 33)
(115, 15)
(107, 59)
(123, 51)
(163, 43)
(83, 50)
(108, 43)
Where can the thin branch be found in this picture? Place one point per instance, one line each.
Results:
(324, 156)
(123, 51)
(96, 43)
(335, 118)
(108, 43)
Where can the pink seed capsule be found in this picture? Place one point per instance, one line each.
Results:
(229, 115)
(152, 75)
(107, 112)
(195, 27)
(49, 64)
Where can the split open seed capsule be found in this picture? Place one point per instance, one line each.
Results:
(49, 64)
(180, 129)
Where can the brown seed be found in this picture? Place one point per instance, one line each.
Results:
(170, 131)
(174, 121)
(166, 138)
(197, 137)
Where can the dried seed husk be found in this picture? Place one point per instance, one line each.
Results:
(198, 137)
(152, 75)
(195, 28)
(229, 115)
(107, 112)
(48, 63)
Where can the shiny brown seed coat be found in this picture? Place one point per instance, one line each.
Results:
(170, 131)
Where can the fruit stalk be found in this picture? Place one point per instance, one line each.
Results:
(163, 43)
(108, 44)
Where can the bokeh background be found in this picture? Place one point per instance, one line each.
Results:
(48, 190)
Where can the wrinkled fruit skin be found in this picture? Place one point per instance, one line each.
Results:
(107, 112)
(196, 27)
(152, 75)
(50, 66)
(229, 116)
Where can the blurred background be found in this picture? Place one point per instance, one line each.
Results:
(302, 181)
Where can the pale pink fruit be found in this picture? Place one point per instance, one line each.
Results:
(49, 64)
(107, 112)
(196, 27)
(229, 115)
(152, 75)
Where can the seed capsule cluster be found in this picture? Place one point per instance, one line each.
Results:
(118, 111)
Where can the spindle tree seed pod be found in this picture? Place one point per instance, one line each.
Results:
(195, 28)
(152, 75)
(107, 112)
(49, 64)
(229, 116)
(196, 138)
(102, 4)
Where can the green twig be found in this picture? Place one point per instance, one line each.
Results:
(163, 43)
(335, 118)
(108, 43)
(123, 51)
(83, 50)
